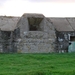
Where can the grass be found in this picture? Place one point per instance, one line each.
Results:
(37, 64)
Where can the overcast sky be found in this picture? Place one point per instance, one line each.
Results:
(50, 8)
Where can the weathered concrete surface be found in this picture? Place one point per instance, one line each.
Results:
(36, 41)
(36, 46)
(8, 23)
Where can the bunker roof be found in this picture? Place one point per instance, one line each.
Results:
(8, 23)
(63, 24)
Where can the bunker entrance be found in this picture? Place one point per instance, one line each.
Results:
(8, 43)
(34, 23)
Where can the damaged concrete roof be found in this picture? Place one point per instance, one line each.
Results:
(8, 23)
(63, 24)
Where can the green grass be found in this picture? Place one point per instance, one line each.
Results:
(37, 64)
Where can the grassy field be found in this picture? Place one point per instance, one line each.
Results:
(37, 64)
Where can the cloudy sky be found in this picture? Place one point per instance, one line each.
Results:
(50, 8)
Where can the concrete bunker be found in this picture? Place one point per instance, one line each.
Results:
(37, 34)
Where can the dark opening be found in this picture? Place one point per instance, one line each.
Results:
(72, 38)
(34, 23)
(8, 43)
